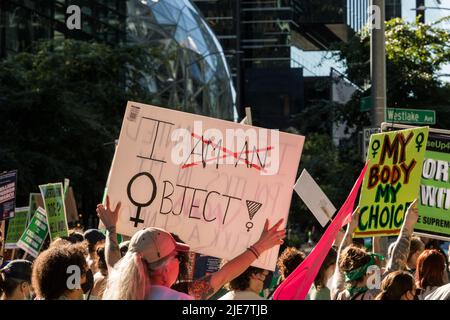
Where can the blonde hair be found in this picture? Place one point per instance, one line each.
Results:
(128, 280)
(130, 277)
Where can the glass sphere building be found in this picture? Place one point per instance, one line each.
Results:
(190, 72)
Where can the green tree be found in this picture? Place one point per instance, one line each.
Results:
(415, 55)
(61, 107)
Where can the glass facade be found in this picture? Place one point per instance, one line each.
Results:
(22, 22)
(189, 72)
(255, 35)
(393, 9)
(357, 13)
(193, 76)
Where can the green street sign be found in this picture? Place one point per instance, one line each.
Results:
(410, 116)
(365, 104)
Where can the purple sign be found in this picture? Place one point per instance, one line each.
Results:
(8, 184)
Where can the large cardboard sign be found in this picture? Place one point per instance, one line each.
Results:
(8, 185)
(71, 206)
(55, 209)
(434, 204)
(16, 227)
(392, 180)
(35, 201)
(211, 182)
(315, 199)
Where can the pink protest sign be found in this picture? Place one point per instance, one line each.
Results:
(297, 285)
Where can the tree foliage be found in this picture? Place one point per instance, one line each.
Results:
(61, 106)
(415, 56)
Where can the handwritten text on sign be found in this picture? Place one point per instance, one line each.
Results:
(212, 182)
(392, 180)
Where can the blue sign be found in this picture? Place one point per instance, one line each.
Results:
(205, 265)
(8, 183)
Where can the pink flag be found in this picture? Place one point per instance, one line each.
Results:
(297, 285)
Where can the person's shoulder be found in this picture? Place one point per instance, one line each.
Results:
(323, 294)
(165, 293)
(343, 295)
(247, 295)
(368, 295)
(440, 293)
(228, 296)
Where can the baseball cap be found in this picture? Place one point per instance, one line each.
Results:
(18, 269)
(155, 244)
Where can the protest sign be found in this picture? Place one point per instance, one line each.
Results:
(66, 186)
(71, 206)
(297, 284)
(55, 209)
(35, 202)
(34, 236)
(8, 185)
(434, 204)
(205, 265)
(16, 227)
(314, 198)
(2, 234)
(392, 180)
(211, 182)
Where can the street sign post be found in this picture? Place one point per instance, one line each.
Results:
(410, 116)
(367, 132)
(365, 104)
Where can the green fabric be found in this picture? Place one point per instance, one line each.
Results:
(361, 271)
(353, 290)
(322, 294)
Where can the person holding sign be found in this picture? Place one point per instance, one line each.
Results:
(401, 248)
(350, 277)
(150, 267)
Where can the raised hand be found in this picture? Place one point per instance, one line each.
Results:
(355, 220)
(270, 237)
(411, 216)
(108, 216)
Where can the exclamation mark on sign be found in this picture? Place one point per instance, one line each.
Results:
(252, 208)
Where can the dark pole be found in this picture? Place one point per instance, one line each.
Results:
(420, 10)
(378, 66)
(237, 57)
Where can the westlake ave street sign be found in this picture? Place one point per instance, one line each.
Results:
(411, 116)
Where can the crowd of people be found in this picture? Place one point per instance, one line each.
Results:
(153, 265)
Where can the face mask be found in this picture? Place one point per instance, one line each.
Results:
(89, 284)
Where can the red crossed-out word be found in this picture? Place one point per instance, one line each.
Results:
(228, 153)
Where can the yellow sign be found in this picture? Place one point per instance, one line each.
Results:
(392, 180)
